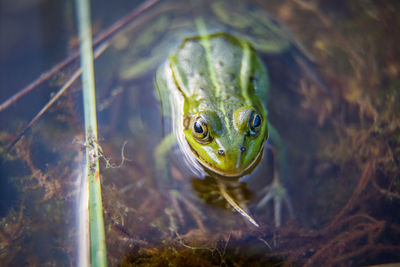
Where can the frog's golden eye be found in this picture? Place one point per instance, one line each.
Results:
(200, 130)
(255, 122)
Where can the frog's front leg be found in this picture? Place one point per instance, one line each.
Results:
(276, 192)
(174, 197)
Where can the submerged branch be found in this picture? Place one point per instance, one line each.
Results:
(60, 92)
(99, 39)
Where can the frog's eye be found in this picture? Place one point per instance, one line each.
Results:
(200, 130)
(255, 122)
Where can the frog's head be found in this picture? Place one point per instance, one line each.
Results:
(228, 146)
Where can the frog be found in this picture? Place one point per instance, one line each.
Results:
(217, 86)
(213, 85)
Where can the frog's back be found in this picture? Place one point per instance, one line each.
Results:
(218, 68)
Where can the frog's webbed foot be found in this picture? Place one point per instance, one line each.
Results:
(175, 200)
(277, 193)
(179, 201)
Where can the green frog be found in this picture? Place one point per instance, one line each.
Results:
(214, 86)
(217, 87)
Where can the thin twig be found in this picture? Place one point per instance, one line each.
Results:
(60, 92)
(100, 38)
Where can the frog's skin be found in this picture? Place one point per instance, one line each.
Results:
(222, 85)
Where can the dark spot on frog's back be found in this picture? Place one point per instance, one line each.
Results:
(221, 152)
(242, 149)
(231, 77)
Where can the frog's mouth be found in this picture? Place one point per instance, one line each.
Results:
(211, 169)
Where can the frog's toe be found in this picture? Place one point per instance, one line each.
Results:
(177, 201)
(278, 194)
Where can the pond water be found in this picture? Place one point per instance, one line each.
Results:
(334, 99)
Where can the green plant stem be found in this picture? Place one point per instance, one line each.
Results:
(96, 222)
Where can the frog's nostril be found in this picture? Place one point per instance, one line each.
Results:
(221, 152)
(242, 149)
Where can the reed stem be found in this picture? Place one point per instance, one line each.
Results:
(98, 255)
